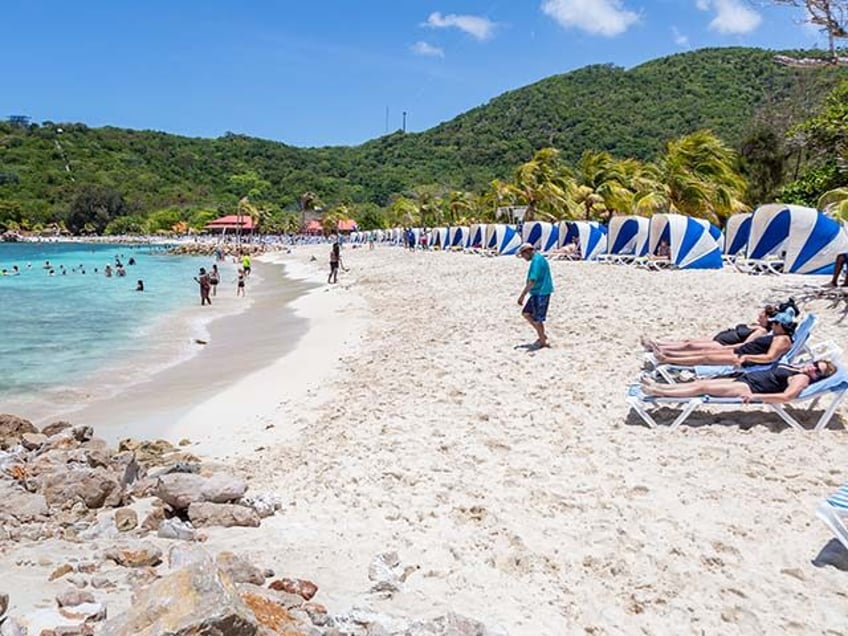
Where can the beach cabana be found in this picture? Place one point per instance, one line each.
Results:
(806, 240)
(503, 239)
(458, 237)
(591, 235)
(736, 234)
(541, 235)
(231, 223)
(693, 243)
(477, 235)
(627, 236)
(439, 237)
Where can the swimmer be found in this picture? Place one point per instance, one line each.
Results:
(140, 286)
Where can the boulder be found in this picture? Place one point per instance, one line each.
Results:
(179, 490)
(32, 441)
(204, 514)
(12, 428)
(74, 597)
(147, 453)
(176, 529)
(239, 570)
(135, 555)
(300, 587)
(95, 487)
(200, 599)
(56, 427)
(126, 519)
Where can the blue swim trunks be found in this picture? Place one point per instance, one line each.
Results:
(537, 307)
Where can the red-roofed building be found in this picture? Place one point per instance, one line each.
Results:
(314, 227)
(231, 222)
(347, 225)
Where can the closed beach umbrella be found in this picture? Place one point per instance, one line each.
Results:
(541, 235)
(694, 243)
(504, 239)
(439, 237)
(628, 235)
(477, 235)
(808, 240)
(458, 236)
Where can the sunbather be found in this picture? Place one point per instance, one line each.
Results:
(763, 349)
(780, 383)
(729, 337)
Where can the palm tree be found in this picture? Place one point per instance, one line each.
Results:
(835, 203)
(459, 205)
(696, 177)
(602, 184)
(544, 184)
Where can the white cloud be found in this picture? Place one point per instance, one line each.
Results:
(679, 38)
(428, 50)
(477, 27)
(732, 16)
(599, 17)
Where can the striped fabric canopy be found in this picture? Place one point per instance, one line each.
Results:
(541, 235)
(628, 235)
(694, 243)
(591, 234)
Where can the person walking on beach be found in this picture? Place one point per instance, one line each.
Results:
(203, 281)
(540, 286)
(335, 263)
(214, 279)
(240, 282)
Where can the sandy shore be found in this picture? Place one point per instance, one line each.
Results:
(408, 418)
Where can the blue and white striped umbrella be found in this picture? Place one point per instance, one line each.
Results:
(439, 237)
(628, 235)
(541, 235)
(694, 243)
(737, 231)
(808, 240)
(504, 239)
(458, 236)
(591, 234)
(477, 235)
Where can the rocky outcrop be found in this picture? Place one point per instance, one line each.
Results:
(12, 428)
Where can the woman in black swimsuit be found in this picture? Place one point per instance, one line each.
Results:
(779, 383)
(763, 349)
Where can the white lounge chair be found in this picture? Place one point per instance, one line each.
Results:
(833, 511)
(835, 386)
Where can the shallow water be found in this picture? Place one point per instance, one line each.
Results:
(59, 330)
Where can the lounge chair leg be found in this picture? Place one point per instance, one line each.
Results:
(638, 406)
(833, 520)
(778, 408)
(828, 414)
(690, 406)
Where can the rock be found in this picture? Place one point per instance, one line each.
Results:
(94, 486)
(144, 487)
(61, 571)
(265, 504)
(56, 427)
(384, 571)
(88, 612)
(184, 442)
(32, 441)
(153, 521)
(226, 515)
(179, 490)
(82, 433)
(176, 529)
(102, 528)
(101, 583)
(125, 466)
(12, 428)
(126, 519)
(4, 604)
(74, 597)
(25, 507)
(180, 556)
(239, 570)
(146, 452)
(200, 599)
(301, 587)
(136, 555)
(283, 599)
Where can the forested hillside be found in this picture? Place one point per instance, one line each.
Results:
(630, 113)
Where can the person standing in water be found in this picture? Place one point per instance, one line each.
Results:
(335, 263)
(203, 281)
(240, 283)
(214, 279)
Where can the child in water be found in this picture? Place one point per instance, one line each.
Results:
(240, 286)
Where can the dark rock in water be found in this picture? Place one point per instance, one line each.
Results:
(12, 428)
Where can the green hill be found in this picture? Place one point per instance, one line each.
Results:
(631, 113)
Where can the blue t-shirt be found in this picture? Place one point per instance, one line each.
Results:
(540, 272)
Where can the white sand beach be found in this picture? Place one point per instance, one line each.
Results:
(515, 483)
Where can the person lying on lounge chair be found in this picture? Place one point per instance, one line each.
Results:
(780, 383)
(760, 350)
(733, 336)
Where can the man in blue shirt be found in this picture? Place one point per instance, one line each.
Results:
(540, 286)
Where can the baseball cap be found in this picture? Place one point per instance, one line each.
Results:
(524, 247)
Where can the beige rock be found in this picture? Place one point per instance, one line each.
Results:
(153, 520)
(126, 519)
(227, 515)
(74, 597)
(31, 441)
(138, 554)
(56, 427)
(179, 490)
(12, 428)
(61, 571)
(238, 569)
(95, 487)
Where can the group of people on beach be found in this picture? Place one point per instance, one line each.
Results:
(754, 352)
(209, 280)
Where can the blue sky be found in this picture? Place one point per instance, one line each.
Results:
(324, 72)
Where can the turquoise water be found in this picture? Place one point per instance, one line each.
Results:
(59, 331)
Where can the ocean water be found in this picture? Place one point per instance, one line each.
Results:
(62, 333)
